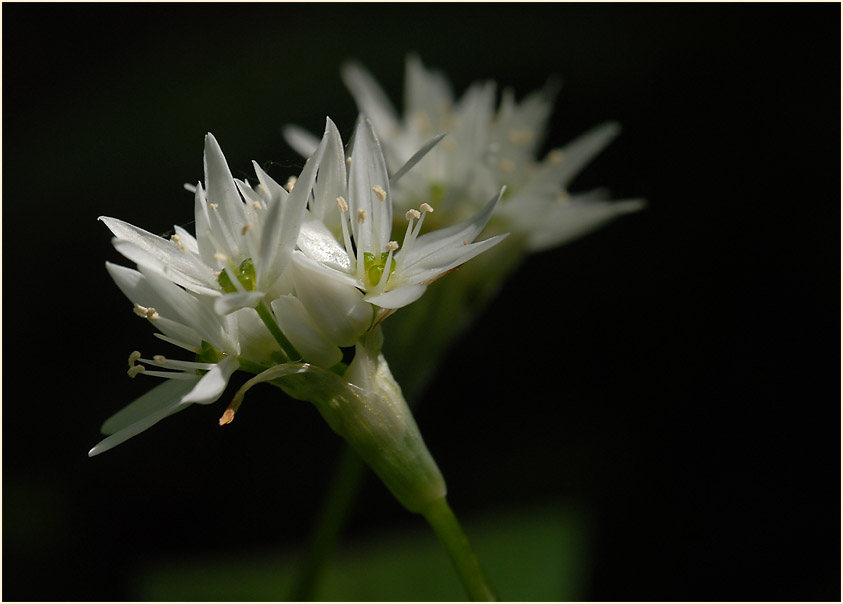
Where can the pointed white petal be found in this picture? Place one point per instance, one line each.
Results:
(304, 334)
(228, 303)
(163, 250)
(154, 401)
(271, 187)
(332, 180)
(368, 170)
(337, 308)
(220, 186)
(302, 141)
(579, 152)
(398, 297)
(453, 236)
(319, 244)
(283, 222)
(140, 256)
(211, 385)
(447, 258)
(416, 158)
(370, 99)
(576, 219)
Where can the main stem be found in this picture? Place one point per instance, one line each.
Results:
(446, 526)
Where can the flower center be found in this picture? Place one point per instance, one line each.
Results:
(374, 267)
(245, 275)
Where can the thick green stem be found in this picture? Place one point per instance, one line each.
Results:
(450, 533)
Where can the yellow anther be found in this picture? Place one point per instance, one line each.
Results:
(412, 214)
(361, 216)
(391, 246)
(135, 369)
(291, 182)
(133, 358)
(425, 207)
(213, 206)
(342, 204)
(379, 192)
(245, 228)
(159, 359)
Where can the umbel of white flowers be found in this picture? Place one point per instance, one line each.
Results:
(277, 282)
(487, 147)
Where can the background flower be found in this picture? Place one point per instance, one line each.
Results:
(681, 424)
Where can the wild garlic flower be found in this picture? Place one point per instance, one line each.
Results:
(348, 234)
(487, 147)
(222, 295)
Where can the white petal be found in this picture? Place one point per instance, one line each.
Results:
(304, 334)
(368, 169)
(300, 139)
(447, 258)
(161, 401)
(574, 220)
(211, 385)
(220, 186)
(273, 189)
(338, 309)
(457, 235)
(331, 181)
(228, 303)
(370, 99)
(139, 256)
(318, 243)
(579, 152)
(398, 297)
(154, 401)
(163, 250)
(283, 221)
(416, 158)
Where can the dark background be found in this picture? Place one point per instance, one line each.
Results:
(675, 375)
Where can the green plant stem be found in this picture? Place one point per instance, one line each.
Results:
(286, 346)
(332, 517)
(446, 526)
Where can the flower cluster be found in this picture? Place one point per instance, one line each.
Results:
(486, 147)
(278, 275)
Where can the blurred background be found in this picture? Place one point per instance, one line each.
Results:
(650, 413)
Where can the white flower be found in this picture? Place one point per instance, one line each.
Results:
(486, 148)
(211, 294)
(359, 250)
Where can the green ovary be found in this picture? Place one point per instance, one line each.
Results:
(374, 268)
(245, 275)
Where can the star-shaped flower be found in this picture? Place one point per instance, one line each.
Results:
(360, 250)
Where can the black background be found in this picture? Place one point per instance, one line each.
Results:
(675, 374)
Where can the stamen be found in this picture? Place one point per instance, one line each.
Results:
(426, 208)
(412, 214)
(379, 192)
(133, 358)
(134, 370)
(147, 313)
(213, 206)
(342, 204)
(348, 160)
(361, 216)
(257, 205)
(291, 182)
(391, 246)
(159, 359)
(220, 257)
(245, 228)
